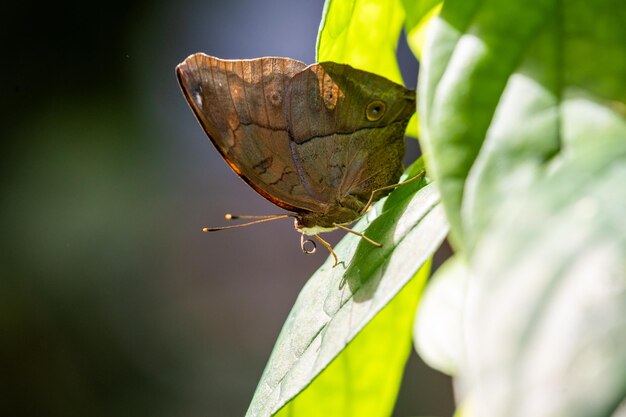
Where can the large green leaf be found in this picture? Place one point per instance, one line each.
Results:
(474, 48)
(336, 313)
(547, 310)
(523, 111)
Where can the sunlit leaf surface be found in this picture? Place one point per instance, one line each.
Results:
(364, 379)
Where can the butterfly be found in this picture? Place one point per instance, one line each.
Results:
(322, 141)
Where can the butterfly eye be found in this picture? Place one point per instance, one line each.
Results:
(375, 110)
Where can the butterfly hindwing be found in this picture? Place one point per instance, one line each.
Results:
(344, 154)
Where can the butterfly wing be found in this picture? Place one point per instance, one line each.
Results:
(241, 107)
(345, 152)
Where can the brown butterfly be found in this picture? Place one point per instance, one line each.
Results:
(322, 141)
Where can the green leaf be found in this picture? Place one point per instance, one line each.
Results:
(332, 317)
(364, 379)
(462, 80)
(547, 311)
(419, 14)
(438, 333)
(416, 11)
(523, 112)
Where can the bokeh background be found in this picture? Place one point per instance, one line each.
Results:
(112, 300)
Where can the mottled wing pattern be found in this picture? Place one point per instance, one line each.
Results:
(241, 106)
(344, 155)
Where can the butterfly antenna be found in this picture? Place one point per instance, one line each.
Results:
(237, 217)
(261, 219)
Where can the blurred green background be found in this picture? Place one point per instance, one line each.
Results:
(112, 300)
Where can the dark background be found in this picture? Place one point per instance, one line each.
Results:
(112, 301)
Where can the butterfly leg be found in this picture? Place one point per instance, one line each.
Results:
(359, 234)
(330, 249)
(390, 187)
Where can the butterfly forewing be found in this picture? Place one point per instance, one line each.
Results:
(240, 105)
